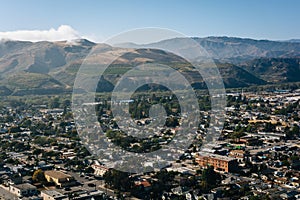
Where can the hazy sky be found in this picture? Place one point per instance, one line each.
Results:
(98, 19)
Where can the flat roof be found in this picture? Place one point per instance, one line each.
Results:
(53, 193)
(24, 186)
(57, 174)
(216, 156)
(100, 166)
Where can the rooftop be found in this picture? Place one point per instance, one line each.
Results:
(219, 157)
(57, 174)
(53, 193)
(24, 186)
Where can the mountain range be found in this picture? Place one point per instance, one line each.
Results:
(51, 67)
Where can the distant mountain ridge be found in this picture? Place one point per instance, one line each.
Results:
(51, 67)
(232, 49)
(293, 40)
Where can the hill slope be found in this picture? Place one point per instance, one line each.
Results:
(275, 70)
(51, 67)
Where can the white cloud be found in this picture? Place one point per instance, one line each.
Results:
(64, 32)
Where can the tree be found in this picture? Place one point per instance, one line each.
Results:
(259, 197)
(37, 152)
(172, 122)
(26, 123)
(209, 178)
(42, 140)
(14, 129)
(54, 102)
(236, 135)
(294, 131)
(118, 180)
(269, 127)
(39, 176)
(89, 170)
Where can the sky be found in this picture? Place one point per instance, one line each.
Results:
(98, 20)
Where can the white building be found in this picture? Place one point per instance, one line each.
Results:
(99, 169)
(53, 195)
(23, 190)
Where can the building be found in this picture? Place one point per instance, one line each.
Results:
(250, 140)
(53, 195)
(68, 155)
(59, 178)
(55, 111)
(143, 184)
(238, 154)
(220, 163)
(23, 190)
(99, 170)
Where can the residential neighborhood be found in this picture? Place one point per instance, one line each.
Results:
(255, 157)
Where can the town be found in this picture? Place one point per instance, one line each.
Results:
(255, 157)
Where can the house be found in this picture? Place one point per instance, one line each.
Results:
(23, 190)
(55, 111)
(68, 155)
(143, 184)
(220, 163)
(289, 195)
(250, 140)
(237, 153)
(182, 170)
(59, 178)
(53, 195)
(99, 169)
(3, 130)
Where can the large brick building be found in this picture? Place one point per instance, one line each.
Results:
(220, 163)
